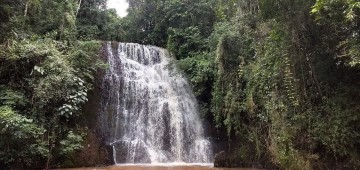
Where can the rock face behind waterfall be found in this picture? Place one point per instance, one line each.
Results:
(148, 113)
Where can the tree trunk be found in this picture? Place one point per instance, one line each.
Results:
(26, 9)
(78, 8)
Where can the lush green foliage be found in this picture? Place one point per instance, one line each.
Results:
(341, 18)
(20, 138)
(45, 75)
(280, 76)
(47, 81)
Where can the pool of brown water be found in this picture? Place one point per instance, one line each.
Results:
(161, 167)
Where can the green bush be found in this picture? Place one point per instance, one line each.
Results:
(21, 139)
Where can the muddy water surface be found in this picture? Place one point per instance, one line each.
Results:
(145, 167)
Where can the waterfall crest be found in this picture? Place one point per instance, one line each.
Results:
(148, 111)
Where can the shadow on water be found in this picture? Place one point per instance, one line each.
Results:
(161, 167)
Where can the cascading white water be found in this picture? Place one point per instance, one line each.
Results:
(148, 110)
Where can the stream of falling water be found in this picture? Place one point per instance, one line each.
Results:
(148, 111)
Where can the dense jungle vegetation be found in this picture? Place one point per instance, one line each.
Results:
(280, 77)
(48, 57)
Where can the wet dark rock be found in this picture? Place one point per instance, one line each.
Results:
(221, 160)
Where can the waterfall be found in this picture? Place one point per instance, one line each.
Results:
(148, 112)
